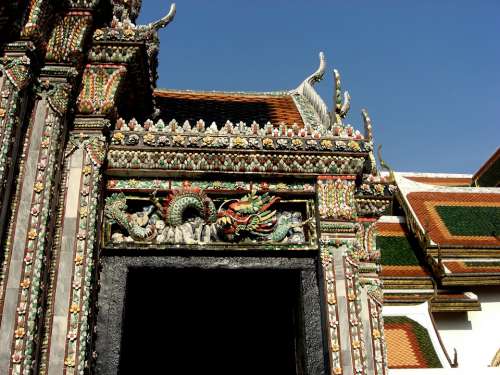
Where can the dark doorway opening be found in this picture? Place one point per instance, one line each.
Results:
(193, 321)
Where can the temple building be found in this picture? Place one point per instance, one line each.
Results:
(149, 230)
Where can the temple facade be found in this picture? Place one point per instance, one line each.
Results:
(146, 229)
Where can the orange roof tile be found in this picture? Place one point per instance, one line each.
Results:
(408, 344)
(385, 229)
(221, 107)
(472, 267)
(426, 205)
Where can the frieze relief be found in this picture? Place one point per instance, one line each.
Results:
(188, 216)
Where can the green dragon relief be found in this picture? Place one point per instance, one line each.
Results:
(189, 216)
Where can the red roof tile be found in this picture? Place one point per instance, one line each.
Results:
(221, 107)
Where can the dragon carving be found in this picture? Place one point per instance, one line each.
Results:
(189, 216)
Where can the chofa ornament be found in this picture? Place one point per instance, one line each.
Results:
(189, 216)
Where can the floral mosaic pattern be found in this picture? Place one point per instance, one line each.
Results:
(36, 242)
(353, 291)
(235, 136)
(377, 329)
(336, 198)
(332, 309)
(233, 162)
(208, 186)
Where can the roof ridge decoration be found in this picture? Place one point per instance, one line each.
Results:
(322, 119)
(123, 29)
(217, 92)
(384, 165)
(341, 106)
(306, 89)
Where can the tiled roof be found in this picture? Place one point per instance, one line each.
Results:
(220, 107)
(458, 219)
(489, 173)
(409, 344)
(482, 267)
(398, 251)
(444, 301)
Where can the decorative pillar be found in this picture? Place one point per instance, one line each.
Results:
(67, 338)
(15, 78)
(338, 223)
(28, 238)
(367, 258)
(75, 254)
(350, 263)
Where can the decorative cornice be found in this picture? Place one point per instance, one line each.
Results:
(244, 161)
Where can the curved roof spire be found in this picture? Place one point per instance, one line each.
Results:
(319, 73)
(341, 107)
(307, 90)
(162, 22)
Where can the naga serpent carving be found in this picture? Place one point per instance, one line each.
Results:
(177, 203)
(250, 217)
(116, 210)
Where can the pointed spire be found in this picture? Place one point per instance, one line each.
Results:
(341, 106)
(319, 73)
(368, 125)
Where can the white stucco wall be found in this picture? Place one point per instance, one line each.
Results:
(475, 335)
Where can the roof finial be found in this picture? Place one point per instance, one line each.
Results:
(341, 107)
(319, 73)
(368, 125)
(384, 165)
(162, 22)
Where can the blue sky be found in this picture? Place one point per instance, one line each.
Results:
(427, 71)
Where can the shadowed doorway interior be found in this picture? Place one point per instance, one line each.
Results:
(192, 321)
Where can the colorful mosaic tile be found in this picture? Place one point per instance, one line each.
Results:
(446, 226)
(409, 344)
